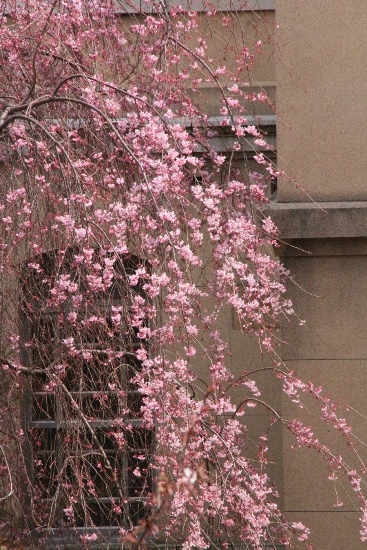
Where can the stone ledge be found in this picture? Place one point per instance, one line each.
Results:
(324, 220)
(196, 5)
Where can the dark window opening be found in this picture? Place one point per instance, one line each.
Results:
(90, 459)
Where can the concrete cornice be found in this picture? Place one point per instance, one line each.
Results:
(323, 220)
(137, 6)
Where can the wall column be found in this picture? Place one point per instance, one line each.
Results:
(321, 211)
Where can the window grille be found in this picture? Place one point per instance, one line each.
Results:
(89, 452)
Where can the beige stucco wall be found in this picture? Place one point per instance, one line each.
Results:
(322, 99)
(321, 76)
(224, 47)
(331, 351)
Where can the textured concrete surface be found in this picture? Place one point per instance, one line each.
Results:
(321, 98)
(319, 220)
(321, 211)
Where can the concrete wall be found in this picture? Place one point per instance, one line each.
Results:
(321, 136)
(222, 41)
(321, 99)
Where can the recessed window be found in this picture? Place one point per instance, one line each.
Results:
(90, 452)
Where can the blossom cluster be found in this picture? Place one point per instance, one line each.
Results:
(124, 236)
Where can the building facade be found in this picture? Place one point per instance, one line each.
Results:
(321, 211)
(313, 74)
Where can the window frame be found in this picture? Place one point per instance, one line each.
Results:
(106, 532)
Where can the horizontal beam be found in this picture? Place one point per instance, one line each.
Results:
(218, 121)
(323, 220)
(226, 144)
(138, 6)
